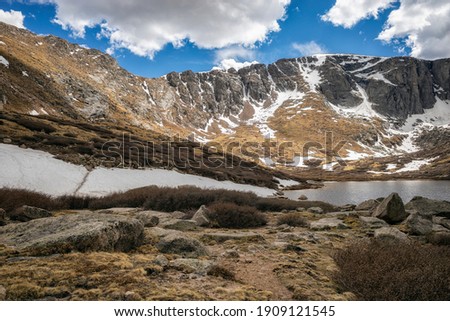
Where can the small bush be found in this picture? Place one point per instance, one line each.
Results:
(221, 272)
(293, 219)
(230, 215)
(277, 205)
(11, 198)
(394, 272)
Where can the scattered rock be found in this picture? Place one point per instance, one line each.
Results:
(301, 209)
(418, 224)
(428, 207)
(161, 260)
(132, 296)
(391, 209)
(302, 198)
(391, 234)
(244, 236)
(178, 243)
(28, 213)
(232, 254)
(147, 219)
(327, 224)
(2, 293)
(368, 205)
(440, 238)
(315, 210)
(445, 222)
(77, 232)
(180, 225)
(347, 207)
(7, 141)
(439, 228)
(201, 216)
(372, 222)
(178, 215)
(189, 266)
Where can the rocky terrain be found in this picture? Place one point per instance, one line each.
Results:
(371, 107)
(136, 254)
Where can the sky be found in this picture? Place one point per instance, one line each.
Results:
(154, 37)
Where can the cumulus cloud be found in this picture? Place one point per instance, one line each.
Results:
(12, 17)
(144, 27)
(309, 48)
(347, 13)
(226, 64)
(423, 24)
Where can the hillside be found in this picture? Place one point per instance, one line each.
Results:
(384, 113)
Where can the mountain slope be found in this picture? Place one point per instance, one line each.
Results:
(374, 107)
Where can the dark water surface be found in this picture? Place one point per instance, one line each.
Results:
(340, 193)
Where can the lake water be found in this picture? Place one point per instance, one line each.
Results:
(340, 193)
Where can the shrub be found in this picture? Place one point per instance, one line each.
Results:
(11, 198)
(380, 271)
(230, 215)
(293, 219)
(277, 205)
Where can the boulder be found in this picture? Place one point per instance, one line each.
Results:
(391, 210)
(368, 205)
(429, 207)
(302, 198)
(147, 219)
(77, 232)
(315, 210)
(189, 266)
(28, 213)
(445, 222)
(180, 225)
(178, 243)
(231, 254)
(161, 260)
(347, 207)
(418, 224)
(201, 216)
(372, 222)
(390, 234)
(327, 224)
(440, 238)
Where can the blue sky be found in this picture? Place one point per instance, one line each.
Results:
(301, 30)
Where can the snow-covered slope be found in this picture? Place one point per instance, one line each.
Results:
(39, 171)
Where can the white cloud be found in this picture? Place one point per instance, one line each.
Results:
(347, 13)
(226, 64)
(421, 25)
(309, 48)
(235, 52)
(424, 24)
(144, 27)
(12, 17)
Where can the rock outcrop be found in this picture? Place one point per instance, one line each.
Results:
(76, 232)
(391, 210)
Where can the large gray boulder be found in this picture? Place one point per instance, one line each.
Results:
(428, 207)
(178, 243)
(147, 219)
(28, 213)
(391, 210)
(391, 235)
(77, 232)
(418, 224)
(201, 216)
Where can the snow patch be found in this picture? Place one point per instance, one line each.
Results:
(437, 116)
(415, 165)
(34, 113)
(4, 62)
(25, 74)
